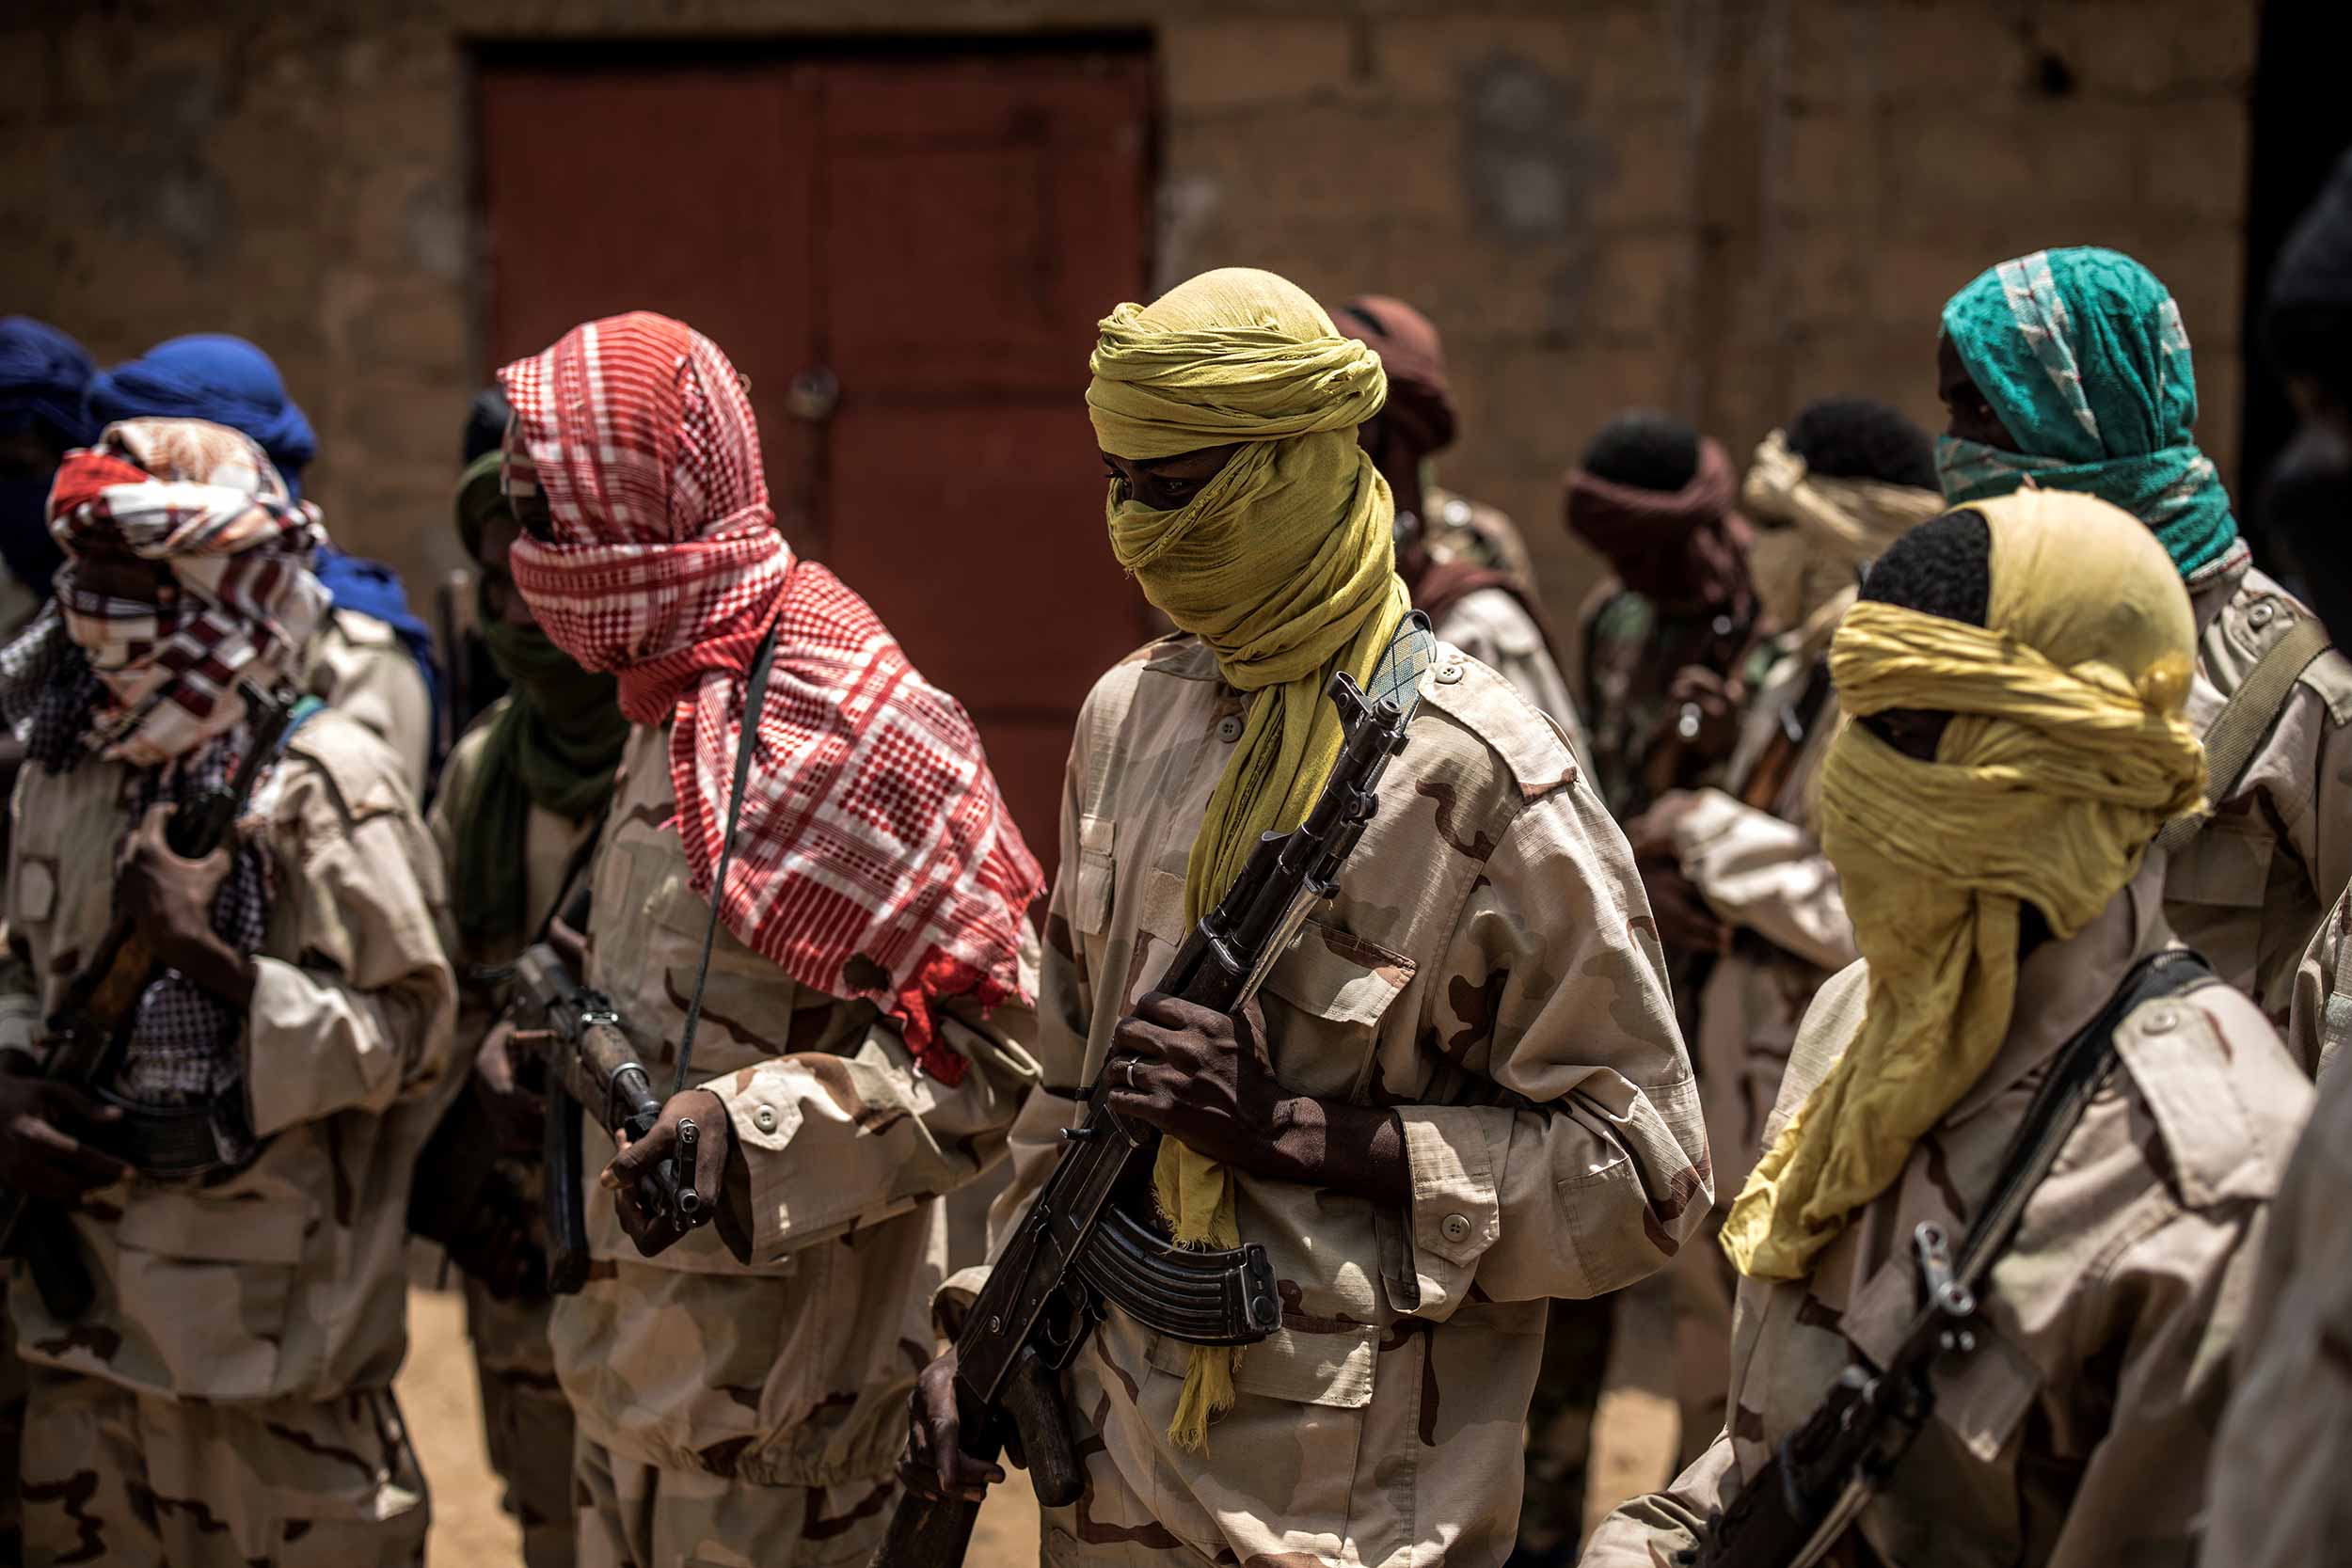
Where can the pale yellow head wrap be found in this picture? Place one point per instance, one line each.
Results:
(1803, 570)
(2067, 754)
(1282, 564)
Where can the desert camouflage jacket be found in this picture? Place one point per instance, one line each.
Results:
(792, 1370)
(287, 1278)
(2279, 1492)
(1489, 970)
(1753, 851)
(2252, 889)
(2080, 1430)
(360, 666)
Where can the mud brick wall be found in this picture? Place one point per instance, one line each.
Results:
(1723, 207)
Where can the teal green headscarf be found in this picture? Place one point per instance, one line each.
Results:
(2082, 354)
(554, 745)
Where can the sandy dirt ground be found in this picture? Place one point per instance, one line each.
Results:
(1633, 1452)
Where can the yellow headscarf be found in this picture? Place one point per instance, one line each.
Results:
(1283, 564)
(2067, 754)
(1803, 570)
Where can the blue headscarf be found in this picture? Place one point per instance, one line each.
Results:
(212, 376)
(2083, 356)
(44, 386)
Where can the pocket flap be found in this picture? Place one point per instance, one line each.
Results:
(1098, 876)
(1294, 1366)
(180, 1225)
(1334, 974)
(2227, 866)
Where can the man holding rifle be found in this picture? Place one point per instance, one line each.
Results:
(810, 894)
(522, 800)
(2000, 1248)
(1459, 1090)
(214, 1305)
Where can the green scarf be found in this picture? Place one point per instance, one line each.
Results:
(2083, 355)
(554, 745)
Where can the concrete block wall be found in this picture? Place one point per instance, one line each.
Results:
(1725, 207)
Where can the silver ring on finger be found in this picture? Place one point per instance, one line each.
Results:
(1130, 1075)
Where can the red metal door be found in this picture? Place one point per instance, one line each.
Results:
(938, 232)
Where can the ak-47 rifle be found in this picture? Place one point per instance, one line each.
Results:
(1793, 1509)
(591, 1062)
(90, 1026)
(1078, 1248)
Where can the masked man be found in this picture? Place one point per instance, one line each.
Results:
(1666, 639)
(1448, 549)
(2069, 370)
(859, 1043)
(1460, 1091)
(235, 1184)
(523, 795)
(2015, 676)
(1735, 873)
(2277, 1484)
(373, 659)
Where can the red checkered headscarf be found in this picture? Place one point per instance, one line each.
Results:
(875, 857)
(200, 500)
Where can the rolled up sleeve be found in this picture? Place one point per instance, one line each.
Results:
(1767, 876)
(364, 1019)
(833, 1143)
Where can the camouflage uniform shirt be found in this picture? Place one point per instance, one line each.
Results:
(360, 665)
(2080, 1430)
(286, 1278)
(2252, 889)
(792, 1371)
(1489, 970)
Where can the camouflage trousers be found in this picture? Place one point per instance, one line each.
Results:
(142, 1480)
(1559, 1432)
(635, 1515)
(526, 1421)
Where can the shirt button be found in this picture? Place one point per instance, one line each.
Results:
(1449, 674)
(765, 1118)
(1228, 728)
(2162, 1022)
(1455, 1227)
(2259, 615)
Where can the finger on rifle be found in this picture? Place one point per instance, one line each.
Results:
(1174, 1012)
(78, 1167)
(710, 1158)
(67, 1106)
(1146, 1042)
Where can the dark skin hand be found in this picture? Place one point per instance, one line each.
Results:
(170, 901)
(1718, 703)
(720, 1174)
(1685, 922)
(934, 1465)
(1165, 484)
(518, 1115)
(43, 1129)
(1203, 1078)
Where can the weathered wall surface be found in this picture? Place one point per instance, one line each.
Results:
(1725, 207)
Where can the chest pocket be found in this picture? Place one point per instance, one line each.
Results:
(1334, 988)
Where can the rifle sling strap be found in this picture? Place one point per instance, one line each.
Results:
(755, 698)
(2238, 731)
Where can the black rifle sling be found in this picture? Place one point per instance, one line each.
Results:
(754, 696)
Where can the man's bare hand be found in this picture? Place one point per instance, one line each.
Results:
(169, 898)
(636, 1164)
(935, 1464)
